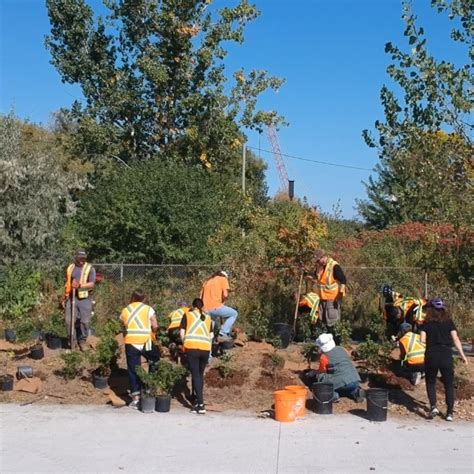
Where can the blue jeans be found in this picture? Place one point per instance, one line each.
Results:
(134, 358)
(348, 390)
(228, 314)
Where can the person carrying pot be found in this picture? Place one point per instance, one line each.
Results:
(412, 354)
(214, 293)
(80, 281)
(330, 283)
(336, 367)
(196, 336)
(139, 321)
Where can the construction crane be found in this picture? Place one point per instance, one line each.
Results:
(280, 164)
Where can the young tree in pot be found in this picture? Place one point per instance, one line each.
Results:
(55, 330)
(102, 358)
(161, 381)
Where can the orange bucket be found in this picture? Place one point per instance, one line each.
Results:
(286, 405)
(300, 391)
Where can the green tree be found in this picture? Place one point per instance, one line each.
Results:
(156, 212)
(36, 185)
(424, 144)
(152, 74)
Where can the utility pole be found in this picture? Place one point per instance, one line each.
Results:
(244, 158)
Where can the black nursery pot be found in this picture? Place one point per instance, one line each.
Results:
(99, 381)
(37, 352)
(10, 335)
(53, 342)
(163, 403)
(6, 383)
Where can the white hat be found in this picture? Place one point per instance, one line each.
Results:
(223, 273)
(325, 342)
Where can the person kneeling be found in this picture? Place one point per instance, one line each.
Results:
(335, 366)
(412, 354)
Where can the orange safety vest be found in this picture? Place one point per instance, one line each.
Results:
(81, 294)
(311, 300)
(198, 333)
(137, 323)
(176, 316)
(408, 303)
(414, 349)
(328, 287)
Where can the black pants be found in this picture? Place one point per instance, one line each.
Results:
(440, 361)
(197, 361)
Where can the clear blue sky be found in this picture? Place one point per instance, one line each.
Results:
(330, 52)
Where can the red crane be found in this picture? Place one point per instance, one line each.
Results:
(280, 164)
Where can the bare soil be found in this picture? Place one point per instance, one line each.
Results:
(249, 387)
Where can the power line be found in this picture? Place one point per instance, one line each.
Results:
(314, 161)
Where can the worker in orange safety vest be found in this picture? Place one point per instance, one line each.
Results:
(412, 354)
(80, 281)
(139, 321)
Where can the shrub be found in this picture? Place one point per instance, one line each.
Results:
(73, 364)
(225, 368)
(55, 325)
(105, 354)
(307, 351)
(162, 378)
(375, 355)
(343, 330)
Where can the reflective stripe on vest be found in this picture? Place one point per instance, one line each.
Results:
(137, 323)
(197, 334)
(312, 301)
(176, 317)
(407, 303)
(86, 269)
(414, 349)
(328, 287)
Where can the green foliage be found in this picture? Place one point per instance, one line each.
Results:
(73, 364)
(162, 377)
(424, 173)
(308, 350)
(105, 354)
(19, 292)
(343, 330)
(225, 368)
(156, 211)
(259, 323)
(55, 324)
(36, 186)
(376, 356)
(152, 74)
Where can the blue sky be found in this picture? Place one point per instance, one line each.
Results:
(331, 54)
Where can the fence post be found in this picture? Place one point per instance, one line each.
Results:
(426, 284)
(121, 272)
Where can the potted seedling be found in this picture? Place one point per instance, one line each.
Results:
(6, 380)
(102, 358)
(73, 364)
(55, 330)
(310, 352)
(160, 382)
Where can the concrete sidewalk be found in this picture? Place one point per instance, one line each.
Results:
(103, 439)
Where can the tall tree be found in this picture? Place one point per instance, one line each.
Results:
(153, 78)
(35, 184)
(425, 147)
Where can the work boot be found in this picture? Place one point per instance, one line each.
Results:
(360, 395)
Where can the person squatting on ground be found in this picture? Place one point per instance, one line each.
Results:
(412, 354)
(438, 333)
(214, 293)
(196, 337)
(141, 325)
(175, 318)
(336, 367)
(80, 281)
(330, 287)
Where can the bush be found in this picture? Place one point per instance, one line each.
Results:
(376, 356)
(55, 325)
(105, 354)
(307, 351)
(73, 364)
(224, 368)
(343, 330)
(162, 379)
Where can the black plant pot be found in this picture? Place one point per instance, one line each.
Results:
(24, 372)
(99, 381)
(147, 404)
(53, 342)
(10, 335)
(6, 383)
(226, 345)
(283, 331)
(37, 352)
(163, 403)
